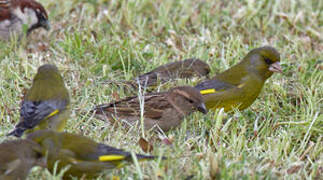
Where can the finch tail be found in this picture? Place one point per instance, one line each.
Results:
(123, 157)
(118, 157)
(142, 157)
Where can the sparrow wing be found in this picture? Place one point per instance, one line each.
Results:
(153, 104)
(4, 10)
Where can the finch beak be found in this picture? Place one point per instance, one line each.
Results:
(275, 67)
(201, 107)
(42, 163)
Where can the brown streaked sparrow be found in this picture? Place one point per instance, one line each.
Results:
(17, 15)
(164, 109)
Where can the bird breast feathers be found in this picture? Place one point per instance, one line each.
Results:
(27, 17)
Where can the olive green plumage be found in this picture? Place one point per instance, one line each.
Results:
(86, 157)
(46, 104)
(18, 157)
(239, 86)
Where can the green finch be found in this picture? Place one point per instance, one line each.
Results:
(46, 104)
(18, 157)
(165, 109)
(239, 86)
(85, 157)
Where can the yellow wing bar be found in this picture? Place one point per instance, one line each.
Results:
(53, 113)
(207, 91)
(111, 158)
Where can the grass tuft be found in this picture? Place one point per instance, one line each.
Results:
(278, 137)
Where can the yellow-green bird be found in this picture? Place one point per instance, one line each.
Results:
(85, 157)
(239, 86)
(46, 104)
(18, 157)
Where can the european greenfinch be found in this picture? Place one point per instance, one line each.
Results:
(164, 109)
(85, 157)
(18, 157)
(239, 86)
(46, 104)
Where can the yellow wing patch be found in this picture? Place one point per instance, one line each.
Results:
(241, 85)
(211, 91)
(207, 91)
(115, 178)
(53, 113)
(111, 158)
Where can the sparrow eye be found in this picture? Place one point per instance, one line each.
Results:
(41, 16)
(189, 100)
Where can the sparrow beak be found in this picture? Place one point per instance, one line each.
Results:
(275, 67)
(201, 107)
(42, 23)
(45, 24)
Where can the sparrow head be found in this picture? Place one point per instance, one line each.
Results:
(188, 99)
(198, 66)
(264, 61)
(31, 13)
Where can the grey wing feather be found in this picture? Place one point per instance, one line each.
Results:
(108, 150)
(103, 149)
(214, 84)
(33, 112)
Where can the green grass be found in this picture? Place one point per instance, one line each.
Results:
(278, 137)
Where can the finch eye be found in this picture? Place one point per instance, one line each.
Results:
(268, 61)
(39, 155)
